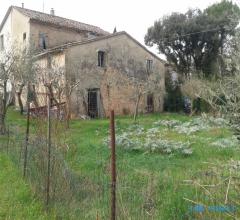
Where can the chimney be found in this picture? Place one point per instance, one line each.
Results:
(22, 5)
(52, 12)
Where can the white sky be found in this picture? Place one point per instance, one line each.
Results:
(132, 16)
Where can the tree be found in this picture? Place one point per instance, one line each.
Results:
(137, 80)
(52, 78)
(231, 57)
(25, 75)
(195, 40)
(223, 94)
(58, 86)
(149, 85)
(192, 89)
(224, 97)
(8, 63)
(173, 101)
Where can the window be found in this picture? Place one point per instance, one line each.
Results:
(24, 37)
(91, 35)
(2, 42)
(101, 58)
(149, 65)
(43, 41)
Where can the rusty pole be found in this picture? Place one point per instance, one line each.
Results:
(113, 166)
(49, 151)
(26, 140)
(8, 138)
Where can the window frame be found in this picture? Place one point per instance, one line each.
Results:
(2, 46)
(101, 56)
(43, 44)
(149, 65)
(24, 37)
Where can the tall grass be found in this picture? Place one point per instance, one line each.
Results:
(149, 185)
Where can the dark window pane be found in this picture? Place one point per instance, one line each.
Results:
(101, 58)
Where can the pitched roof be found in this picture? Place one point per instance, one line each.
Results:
(62, 47)
(56, 21)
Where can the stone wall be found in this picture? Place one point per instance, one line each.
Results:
(124, 59)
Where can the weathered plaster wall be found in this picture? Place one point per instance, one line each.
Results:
(55, 36)
(124, 58)
(20, 25)
(13, 29)
(7, 30)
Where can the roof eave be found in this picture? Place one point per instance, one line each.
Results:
(137, 42)
(44, 53)
(67, 45)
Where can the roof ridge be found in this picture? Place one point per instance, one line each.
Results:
(59, 21)
(17, 7)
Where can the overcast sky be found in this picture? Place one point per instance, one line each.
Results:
(133, 16)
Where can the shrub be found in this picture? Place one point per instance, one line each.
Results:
(173, 100)
(226, 142)
(149, 140)
(203, 122)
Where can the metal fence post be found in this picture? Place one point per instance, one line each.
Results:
(49, 151)
(8, 139)
(113, 166)
(26, 140)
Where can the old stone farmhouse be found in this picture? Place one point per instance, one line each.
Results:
(106, 71)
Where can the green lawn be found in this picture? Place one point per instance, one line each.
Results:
(151, 185)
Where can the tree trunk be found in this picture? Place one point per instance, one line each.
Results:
(20, 102)
(19, 97)
(35, 102)
(2, 116)
(2, 124)
(68, 111)
(3, 109)
(136, 108)
(55, 101)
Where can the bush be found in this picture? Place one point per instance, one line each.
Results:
(200, 105)
(136, 138)
(173, 100)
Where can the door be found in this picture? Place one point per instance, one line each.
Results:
(150, 103)
(93, 103)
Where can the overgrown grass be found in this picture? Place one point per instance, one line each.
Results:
(150, 185)
(17, 200)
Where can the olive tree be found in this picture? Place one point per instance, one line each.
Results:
(8, 64)
(58, 86)
(25, 77)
